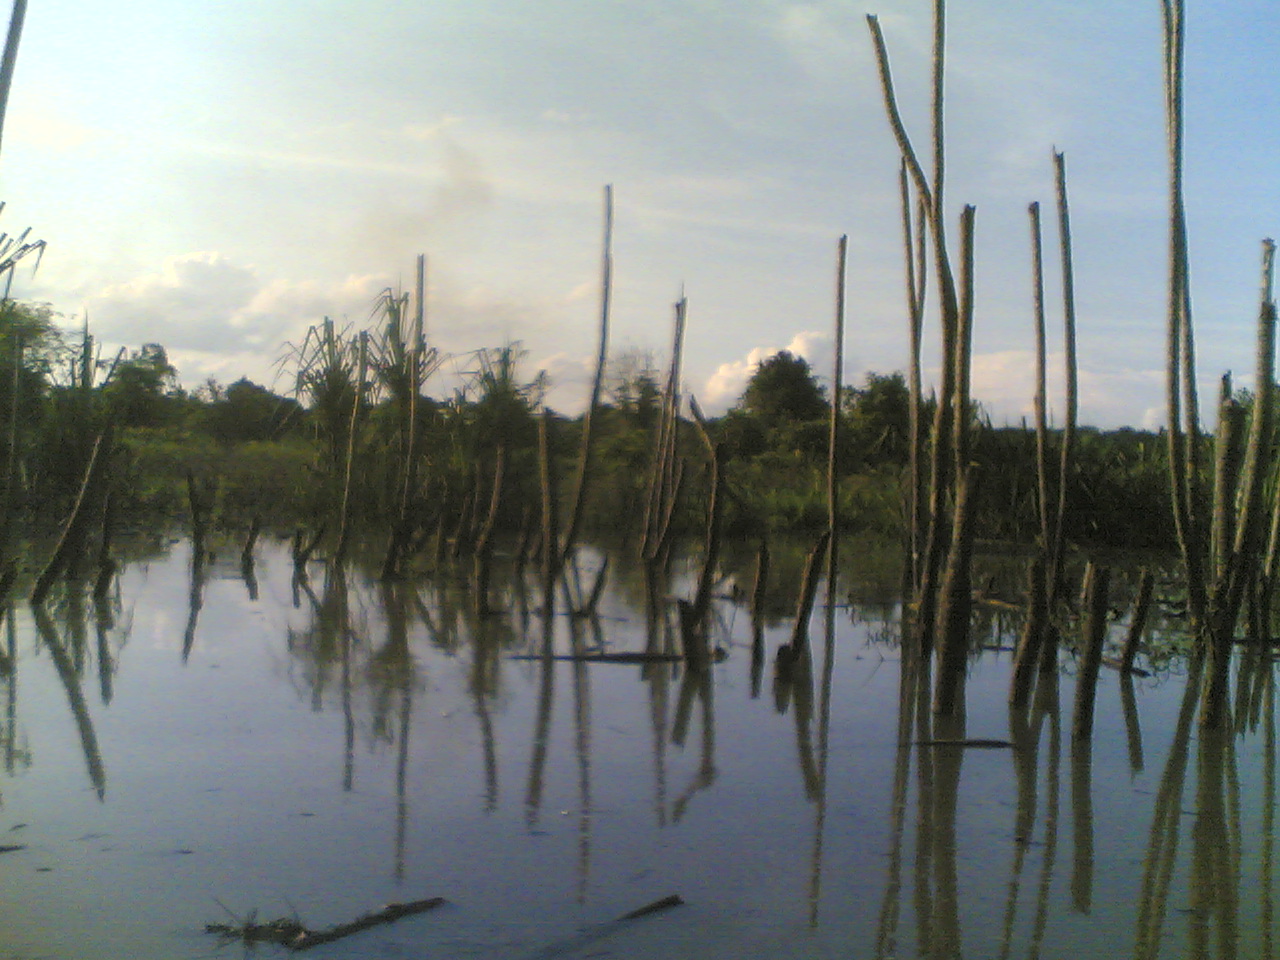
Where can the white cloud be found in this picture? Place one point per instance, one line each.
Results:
(220, 318)
(726, 385)
(429, 131)
(1004, 382)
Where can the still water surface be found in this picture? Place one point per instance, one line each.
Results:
(198, 748)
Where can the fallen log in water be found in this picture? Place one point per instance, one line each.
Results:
(972, 743)
(666, 903)
(576, 946)
(294, 935)
(1116, 663)
(620, 657)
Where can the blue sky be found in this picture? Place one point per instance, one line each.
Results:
(216, 177)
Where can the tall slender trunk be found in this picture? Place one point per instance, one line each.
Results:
(1072, 389)
(584, 455)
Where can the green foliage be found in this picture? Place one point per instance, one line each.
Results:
(270, 479)
(877, 419)
(783, 389)
(633, 387)
(245, 412)
(143, 391)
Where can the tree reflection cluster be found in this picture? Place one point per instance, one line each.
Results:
(354, 647)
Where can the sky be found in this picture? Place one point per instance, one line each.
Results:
(218, 177)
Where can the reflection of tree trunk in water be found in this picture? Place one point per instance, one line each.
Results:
(481, 690)
(398, 662)
(699, 684)
(104, 621)
(757, 619)
(824, 737)
(658, 677)
(582, 738)
(348, 717)
(77, 640)
(1268, 813)
(1162, 847)
(1026, 746)
(1082, 824)
(250, 577)
(402, 769)
(1132, 727)
(887, 928)
(11, 700)
(331, 614)
(582, 720)
(1236, 838)
(1213, 869)
(945, 925)
(75, 697)
(1046, 705)
(799, 680)
(541, 727)
(923, 900)
(195, 598)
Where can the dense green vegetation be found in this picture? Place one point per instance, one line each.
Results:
(282, 458)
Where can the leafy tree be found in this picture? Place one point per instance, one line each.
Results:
(633, 387)
(142, 388)
(878, 418)
(783, 389)
(246, 411)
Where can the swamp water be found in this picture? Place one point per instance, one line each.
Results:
(323, 750)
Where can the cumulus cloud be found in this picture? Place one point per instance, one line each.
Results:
(224, 319)
(1004, 382)
(220, 318)
(726, 385)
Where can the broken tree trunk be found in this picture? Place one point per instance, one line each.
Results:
(73, 530)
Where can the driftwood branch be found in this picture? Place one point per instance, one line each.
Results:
(294, 935)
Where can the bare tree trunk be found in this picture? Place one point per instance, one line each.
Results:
(344, 517)
(955, 601)
(833, 444)
(1041, 398)
(1096, 580)
(484, 543)
(1069, 336)
(1226, 467)
(916, 286)
(1184, 431)
(551, 557)
(1243, 565)
(8, 508)
(662, 478)
(10, 58)
(72, 536)
(940, 476)
(584, 455)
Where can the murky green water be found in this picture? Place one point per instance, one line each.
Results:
(326, 750)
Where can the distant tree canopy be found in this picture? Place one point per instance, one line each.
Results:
(878, 418)
(245, 412)
(141, 388)
(633, 387)
(783, 388)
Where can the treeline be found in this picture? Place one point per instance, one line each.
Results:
(282, 457)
